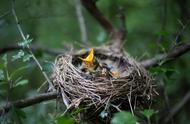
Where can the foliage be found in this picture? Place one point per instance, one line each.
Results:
(148, 112)
(64, 120)
(8, 83)
(124, 118)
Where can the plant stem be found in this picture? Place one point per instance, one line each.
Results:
(28, 47)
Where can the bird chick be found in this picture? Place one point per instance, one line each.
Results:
(91, 64)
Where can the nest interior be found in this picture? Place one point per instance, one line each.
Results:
(133, 84)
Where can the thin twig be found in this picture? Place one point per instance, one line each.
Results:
(5, 14)
(181, 31)
(116, 107)
(28, 47)
(84, 36)
(129, 99)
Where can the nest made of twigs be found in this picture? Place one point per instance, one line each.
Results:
(134, 85)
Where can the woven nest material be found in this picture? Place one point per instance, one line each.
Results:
(133, 85)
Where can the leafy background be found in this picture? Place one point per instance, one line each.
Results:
(153, 27)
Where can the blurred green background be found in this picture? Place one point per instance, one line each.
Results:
(153, 27)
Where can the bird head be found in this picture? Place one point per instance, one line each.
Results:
(89, 60)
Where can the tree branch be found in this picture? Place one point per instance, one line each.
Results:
(116, 36)
(171, 55)
(94, 11)
(28, 102)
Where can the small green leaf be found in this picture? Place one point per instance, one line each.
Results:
(19, 55)
(148, 112)
(64, 120)
(27, 57)
(76, 111)
(25, 42)
(124, 118)
(18, 79)
(18, 70)
(21, 83)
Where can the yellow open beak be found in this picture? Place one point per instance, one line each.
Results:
(90, 57)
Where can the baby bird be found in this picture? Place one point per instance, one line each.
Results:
(91, 64)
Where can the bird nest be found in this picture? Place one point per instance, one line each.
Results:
(132, 85)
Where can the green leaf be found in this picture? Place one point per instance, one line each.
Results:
(18, 79)
(27, 57)
(25, 42)
(21, 83)
(148, 112)
(19, 55)
(124, 118)
(17, 71)
(76, 111)
(64, 120)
